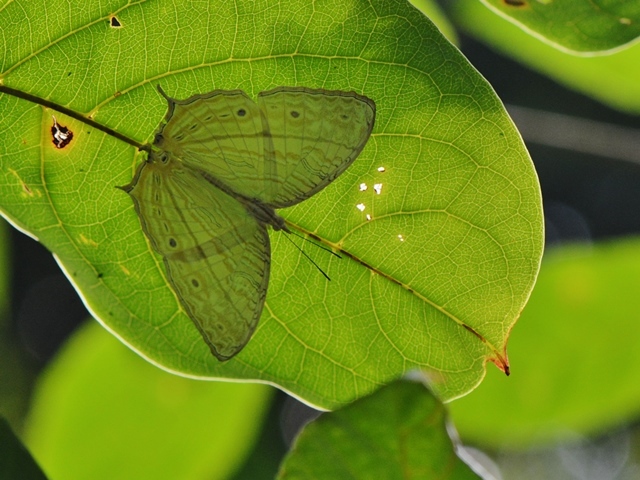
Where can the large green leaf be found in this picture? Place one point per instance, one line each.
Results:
(612, 79)
(435, 280)
(576, 351)
(399, 432)
(101, 412)
(580, 26)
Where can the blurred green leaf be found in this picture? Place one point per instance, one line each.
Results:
(15, 375)
(5, 272)
(436, 278)
(101, 412)
(611, 79)
(398, 432)
(574, 353)
(579, 26)
(15, 461)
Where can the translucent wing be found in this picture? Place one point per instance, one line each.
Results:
(314, 136)
(216, 254)
(208, 191)
(289, 146)
(220, 133)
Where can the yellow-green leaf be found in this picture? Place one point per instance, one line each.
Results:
(612, 79)
(434, 279)
(579, 26)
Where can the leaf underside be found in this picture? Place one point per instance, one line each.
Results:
(439, 219)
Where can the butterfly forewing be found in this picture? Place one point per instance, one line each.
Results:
(314, 136)
(216, 254)
(220, 133)
(284, 149)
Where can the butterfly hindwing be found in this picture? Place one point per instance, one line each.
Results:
(217, 256)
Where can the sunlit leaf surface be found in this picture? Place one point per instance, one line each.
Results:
(438, 221)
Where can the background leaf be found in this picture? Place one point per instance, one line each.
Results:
(407, 440)
(101, 412)
(574, 25)
(611, 79)
(15, 460)
(435, 280)
(576, 354)
(15, 374)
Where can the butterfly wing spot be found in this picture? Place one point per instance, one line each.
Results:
(172, 242)
(295, 114)
(195, 283)
(242, 112)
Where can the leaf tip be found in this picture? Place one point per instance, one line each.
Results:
(502, 363)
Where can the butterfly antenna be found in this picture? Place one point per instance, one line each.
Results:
(322, 247)
(308, 258)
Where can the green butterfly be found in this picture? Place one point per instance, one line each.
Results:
(219, 167)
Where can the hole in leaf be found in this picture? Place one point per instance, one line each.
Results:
(62, 136)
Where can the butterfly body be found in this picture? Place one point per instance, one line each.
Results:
(218, 169)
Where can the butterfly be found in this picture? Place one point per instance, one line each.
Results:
(218, 168)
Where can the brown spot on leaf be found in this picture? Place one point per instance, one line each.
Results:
(62, 136)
